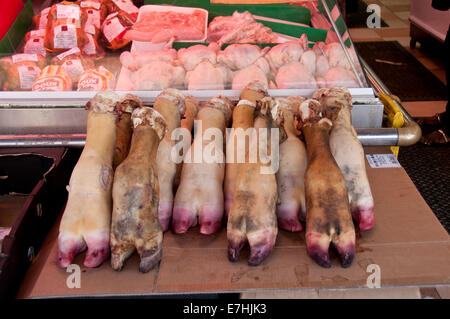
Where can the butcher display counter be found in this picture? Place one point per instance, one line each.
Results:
(33, 112)
(47, 109)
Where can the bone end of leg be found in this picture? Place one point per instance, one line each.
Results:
(317, 246)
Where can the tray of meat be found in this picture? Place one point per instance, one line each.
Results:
(159, 24)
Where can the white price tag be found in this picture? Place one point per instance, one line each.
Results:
(382, 160)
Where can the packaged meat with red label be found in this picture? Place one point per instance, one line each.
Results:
(74, 63)
(40, 20)
(99, 79)
(96, 13)
(92, 48)
(123, 7)
(35, 42)
(114, 29)
(21, 70)
(53, 78)
(65, 27)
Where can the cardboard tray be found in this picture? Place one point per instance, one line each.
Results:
(408, 243)
(34, 173)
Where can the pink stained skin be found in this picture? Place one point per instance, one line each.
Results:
(365, 217)
(183, 219)
(261, 244)
(68, 248)
(288, 217)
(201, 185)
(317, 249)
(98, 249)
(165, 214)
(210, 219)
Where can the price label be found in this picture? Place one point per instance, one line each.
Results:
(382, 160)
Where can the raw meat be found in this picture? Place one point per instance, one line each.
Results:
(322, 65)
(136, 61)
(338, 77)
(160, 27)
(295, 76)
(171, 105)
(87, 217)
(237, 144)
(349, 155)
(124, 128)
(206, 76)
(291, 174)
(239, 28)
(158, 75)
(239, 56)
(199, 198)
(328, 217)
(135, 194)
(192, 56)
(247, 75)
(252, 217)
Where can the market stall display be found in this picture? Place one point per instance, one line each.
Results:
(256, 81)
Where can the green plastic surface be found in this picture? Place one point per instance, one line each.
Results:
(17, 31)
(277, 11)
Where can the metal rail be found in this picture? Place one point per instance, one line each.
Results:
(408, 135)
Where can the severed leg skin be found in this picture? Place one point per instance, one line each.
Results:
(87, 216)
(328, 217)
(238, 140)
(170, 103)
(349, 155)
(135, 223)
(187, 123)
(291, 174)
(124, 128)
(252, 217)
(199, 198)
